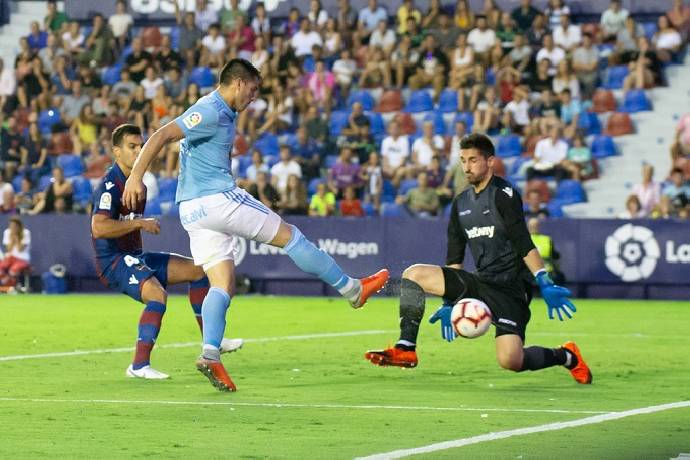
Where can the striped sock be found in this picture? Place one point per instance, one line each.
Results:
(149, 327)
(197, 293)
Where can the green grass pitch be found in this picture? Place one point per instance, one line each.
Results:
(314, 396)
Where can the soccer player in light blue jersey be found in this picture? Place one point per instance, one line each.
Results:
(214, 211)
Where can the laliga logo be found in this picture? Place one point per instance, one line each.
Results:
(240, 250)
(632, 252)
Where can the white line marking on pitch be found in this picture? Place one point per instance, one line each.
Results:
(192, 344)
(524, 431)
(298, 406)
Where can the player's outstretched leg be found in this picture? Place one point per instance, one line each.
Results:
(317, 262)
(197, 293)
(577, 366)
(149, 327)
(568, 356)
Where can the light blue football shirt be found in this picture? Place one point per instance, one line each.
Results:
(209, 129)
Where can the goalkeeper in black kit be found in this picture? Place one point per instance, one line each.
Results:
(487, 217)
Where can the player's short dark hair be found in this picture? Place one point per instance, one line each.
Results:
(480, 142)
(238, 69)
(676, 171)
(121, 131)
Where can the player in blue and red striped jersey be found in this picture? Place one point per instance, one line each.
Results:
(123, 266)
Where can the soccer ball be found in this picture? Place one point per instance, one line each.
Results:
(471, 318)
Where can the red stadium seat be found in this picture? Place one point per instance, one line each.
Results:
(151, 37)
(61, 143)
(619, 124)
(540, 186)
(591, 28)
(603, 101)
(391, 101)
(531, 144)
(407, 124)
(241, 146)
(499, 167)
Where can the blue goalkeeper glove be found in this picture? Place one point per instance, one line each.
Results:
(556, 297)
(443, 313)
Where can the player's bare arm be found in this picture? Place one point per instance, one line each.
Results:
(105, 227)
(134, 187)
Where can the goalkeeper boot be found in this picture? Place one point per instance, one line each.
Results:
(370, 286)
(146, 372)
(392, 357)
(216, 374)
(230, 345)
(580, 371)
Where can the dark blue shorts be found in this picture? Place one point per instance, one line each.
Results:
(130, 271)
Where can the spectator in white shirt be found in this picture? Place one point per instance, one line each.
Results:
(516, 112)
(613, 20)
(481, 39)
(648, 192)
(667, 40)
(370, 16)
(395, 150)
(6, 192)
(568, 36)
(344, 70)
(317, 15)
(304, 39)
(120, 23)
(553, 53)
(215, 44)
(260, 23)
(284, 169)
(17, 242)
(205, 15)
(549, 155)
(151, 83)
(8, 83)
(383, 37)
(73, 39)
(426, 147)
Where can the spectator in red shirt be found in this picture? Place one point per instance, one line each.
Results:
(350, 205)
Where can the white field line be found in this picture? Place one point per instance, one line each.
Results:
(401, 453)
(192, 344)
(298, 406)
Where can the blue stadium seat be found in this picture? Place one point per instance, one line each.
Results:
(17, 183)
(167, 188)
(509, 146)
(363, 97)
(203, 77)
(569, 192)
(125, 54)
(71, 165)
(650, 28)
(393, 210)
(47, 119)
(439, 123)
(330, 161)
(267, 144)
(153, 208)
(589, 122)
(44, 182)
(387, 192)
(376, 127)
(615, 76)
(369, 209)
(311, 188)
(603, 146)
(554, 208)
(636, 100)
(81, 188)
(465, 117)
(420, 101)
(270, 160)
(175, 38)
(338, 121)
(111, 75)
(245, 162)
(406, 186)
(448, 101)
(308, 65)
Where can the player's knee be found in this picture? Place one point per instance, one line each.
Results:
(414, 273)
(510, 361)
(153, 291)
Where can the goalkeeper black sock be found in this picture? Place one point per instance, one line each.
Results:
(411, 310)
(536, 358)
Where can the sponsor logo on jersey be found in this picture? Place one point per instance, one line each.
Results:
(508, 191)
(109, 185)
(133, 280)
(192, 120)
(476, 232)
(106, 201)
(466, 212)
(507, 321)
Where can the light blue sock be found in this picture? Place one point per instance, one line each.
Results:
(313, 260)
(213, 311)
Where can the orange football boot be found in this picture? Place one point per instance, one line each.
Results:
(216, 374)
(370, 286)
(580, 372)
(392, 357)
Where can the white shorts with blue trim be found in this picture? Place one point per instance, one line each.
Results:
(215, 222)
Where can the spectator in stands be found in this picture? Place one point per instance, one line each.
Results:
(461, 64)
(432, 18)
(516, 112)
(626, 42)
(166, 58)
(73, 40)
(426, 147)
(579, 160)
(258, 166)
(120, 23)
(679, 15)
(524, 15)
(138, 61)
(332, 41)
(284, 168)
(567, 35)
(536, 33)
(549, 155)
(99, 51)
(344, 172)
(322, 202)
(570, 112)
(84, 131)
(421, 200)
(54, 20)
(383, 38)
(214, 44)
(125, 87)
(8, 86)
(633, 208)
(10, 147)
(407, 11)
(6, 192)
(370, 16)
(57, 197)
(506, 32)
(304, 39)
(228, 16)
(371, 175)
(62, 77)
(481, 39)
(395, 152)
(565, 79)
(279, 111)
(645, 69)
(404, 60)
(376, 72)
(320, 84)
(17, 242)
(344, 69)
(677, 190)
(190, 34)
(445, 32)
(432, 67)
(260, 56)
(206, 15)
(174, 84)
(350, 205)
(486, 115)
(492, 14)
(24, 199)
(435, 173)
(151, 83)
(354, 120)
(551, 52)
(293, 200)
(263, 191)
(666, 40)
(362, 143)
(260, 23)
(317, 15)
(585, 65)
(90, 81)
(33, 83)
(464, 17)
(34, 152)
(37, 38)
(540, 80)
(535, 206)
(307, 154)
(554, 10)
(521, 54)
(50, 52)
(613, 20)
(316, 127)
(648, 191)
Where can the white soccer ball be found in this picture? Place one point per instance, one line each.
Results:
(471, 318)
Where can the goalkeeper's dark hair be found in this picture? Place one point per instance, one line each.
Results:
(480, 142)
(238, 69)
(121, 131)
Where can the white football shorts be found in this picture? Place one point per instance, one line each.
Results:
(215, 222)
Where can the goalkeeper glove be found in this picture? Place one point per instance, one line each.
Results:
(443, 313)
(556, 297)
